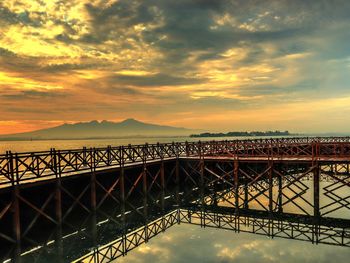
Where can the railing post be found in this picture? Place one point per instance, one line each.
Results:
(84, 156)
(121, 155)
(159, 153)
(109, 159)
(173, 148)
(145, 152)
(199, 149)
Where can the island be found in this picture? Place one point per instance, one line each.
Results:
(242, 134)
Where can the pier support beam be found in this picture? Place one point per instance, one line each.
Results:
(93, 191)
(280, 194)
(16, 214)
(177, 186)
(58, 201)
(145, 198)
(58, 191)
(122, 207)
(316, 182)
(177, 181)
(270, 187)
(246, 194)
(236, 185)
(201, 186)
(93, 182)
(162, 184)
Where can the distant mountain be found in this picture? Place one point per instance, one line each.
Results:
(103, 129)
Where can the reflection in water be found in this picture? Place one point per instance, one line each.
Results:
(290, 227)
(188, 243)
(201, 236)
(300, 227)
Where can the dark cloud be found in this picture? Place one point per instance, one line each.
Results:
(188, 26)
(6, 53)
(64, 67)
(154, 80)
(115, 20)
(116, 91)
(31, 110)
(7, 17)
(210, 103)
(32, 94)
(32, 66)
(11, 61)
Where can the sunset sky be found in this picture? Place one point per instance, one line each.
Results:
(211, 64)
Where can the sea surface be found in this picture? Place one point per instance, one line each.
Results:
(189, 243)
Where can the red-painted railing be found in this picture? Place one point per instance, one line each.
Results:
(16, 168)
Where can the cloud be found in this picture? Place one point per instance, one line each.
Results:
(32, 94)
(6, 53)
(154, 80)
(152, 59)
(64, 67)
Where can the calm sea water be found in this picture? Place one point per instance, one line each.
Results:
(188, 243)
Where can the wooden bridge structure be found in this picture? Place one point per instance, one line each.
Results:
(212, 183)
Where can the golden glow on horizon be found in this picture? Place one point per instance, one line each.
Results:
(6, 127)
(269, 118)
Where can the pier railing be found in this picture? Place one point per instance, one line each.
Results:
(16, 168)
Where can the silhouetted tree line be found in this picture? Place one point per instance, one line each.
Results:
(236, 133)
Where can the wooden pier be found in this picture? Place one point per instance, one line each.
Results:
(135, 185)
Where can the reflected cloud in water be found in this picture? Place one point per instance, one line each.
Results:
(188, 243)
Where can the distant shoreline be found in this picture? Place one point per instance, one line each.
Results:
(243, 134)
